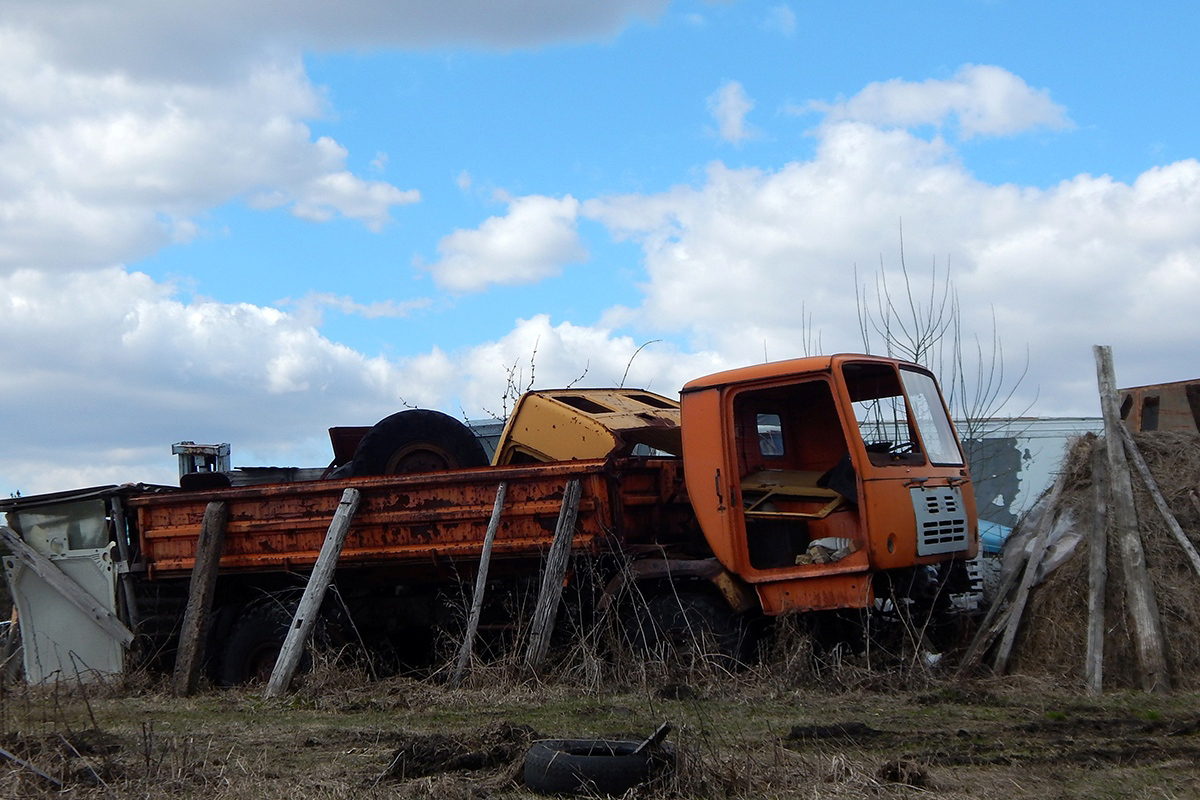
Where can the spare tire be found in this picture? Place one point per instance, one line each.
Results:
(252, 647)
(592, 766)
(418, 440)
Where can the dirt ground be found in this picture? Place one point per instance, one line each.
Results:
(734, 736)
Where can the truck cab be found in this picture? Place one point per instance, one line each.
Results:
(811, 477)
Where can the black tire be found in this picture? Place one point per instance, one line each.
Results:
(594, 766)
(254, 642)
(418, 440)
(688, 627)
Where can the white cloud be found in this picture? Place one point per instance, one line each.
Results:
(311, 306)
(533, 241)
(218, 37)
(341, 194)
(729, 106)
(97, 168)
(741, 263)
(782, 19)
(985, 101)
(545, 354)
(105, 369)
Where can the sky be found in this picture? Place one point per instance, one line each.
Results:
(250, 221)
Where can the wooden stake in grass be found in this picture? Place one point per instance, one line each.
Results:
(314, 595)
(552, 578)
(1040, 540)
(1097, 574)
(200, 594)
(1139, 592)
(485, 557)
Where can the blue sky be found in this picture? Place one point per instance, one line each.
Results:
(247, 223)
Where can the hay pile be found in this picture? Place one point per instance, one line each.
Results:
(1052, 641)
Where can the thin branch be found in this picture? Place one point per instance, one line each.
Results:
(629, 364)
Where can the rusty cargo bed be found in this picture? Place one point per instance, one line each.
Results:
(413, 520)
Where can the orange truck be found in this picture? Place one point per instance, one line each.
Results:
(808, 485)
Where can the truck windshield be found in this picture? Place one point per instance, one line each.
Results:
(930, 417)
(894, 431)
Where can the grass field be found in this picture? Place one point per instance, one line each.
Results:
(763, 733)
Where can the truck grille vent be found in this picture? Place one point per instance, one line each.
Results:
(941, 520)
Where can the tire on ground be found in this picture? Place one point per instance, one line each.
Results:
(592, 766)
(689, 626)
(254, 642)
(418, 440)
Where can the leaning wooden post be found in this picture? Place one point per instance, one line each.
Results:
(1139, 592)
(200, 594)
(314, 595)
(1093, 669)
(485, 557)
(1038, 551)
(552, 578)
(1160, 502)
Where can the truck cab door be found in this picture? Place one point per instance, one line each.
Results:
(785, 503)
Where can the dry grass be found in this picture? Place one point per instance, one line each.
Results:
(823, 732)
(1052, 641)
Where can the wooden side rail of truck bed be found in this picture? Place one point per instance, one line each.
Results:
(412, 520)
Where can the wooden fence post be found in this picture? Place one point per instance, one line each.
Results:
(552, 578)
(1097, 574)
(314, 595)
(485, 557)
(200, 593)
(1139, 592)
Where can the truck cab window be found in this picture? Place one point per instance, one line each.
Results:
(929, 416)
(770, 435)
(900, 416)
(882, 415)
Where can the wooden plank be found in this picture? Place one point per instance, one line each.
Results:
(1029, 576)
(1139, 592)
(314, 595)
(1160, 502)
(485, 557)
(1093, 668)
(75, 594)
(552, 579)
(994, 621)
(186, 676)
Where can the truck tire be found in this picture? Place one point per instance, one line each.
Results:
(591, 766)
(253, 645)
(417, 440)
(689, 626)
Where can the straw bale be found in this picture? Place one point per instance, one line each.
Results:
(1053, 637)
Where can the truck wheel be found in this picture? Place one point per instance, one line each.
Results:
(689, 626)
(417, 440)
(590, 766)
(253, 645)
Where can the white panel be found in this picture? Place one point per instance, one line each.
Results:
(60, 642)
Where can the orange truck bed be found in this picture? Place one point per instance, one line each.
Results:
(413, 520)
